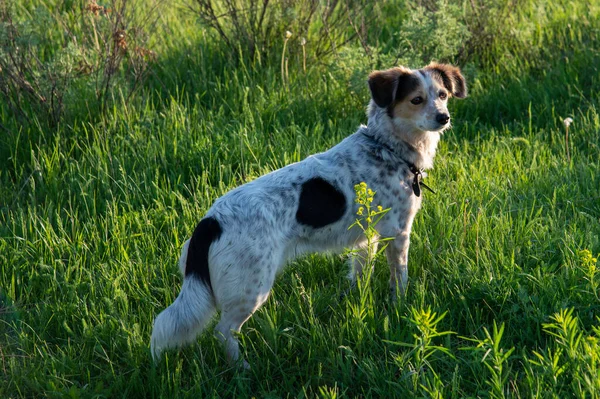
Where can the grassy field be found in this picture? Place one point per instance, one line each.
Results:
(504, 295)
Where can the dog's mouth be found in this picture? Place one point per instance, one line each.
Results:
(432, 125)
(441, 127)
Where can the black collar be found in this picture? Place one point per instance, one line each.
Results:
(418, 173)
(417, 183)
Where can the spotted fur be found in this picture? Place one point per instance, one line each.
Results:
(250, 233)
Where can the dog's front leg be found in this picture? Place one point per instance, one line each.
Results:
(360, 256)
(397, 256)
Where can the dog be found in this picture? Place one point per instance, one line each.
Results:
(250, 233)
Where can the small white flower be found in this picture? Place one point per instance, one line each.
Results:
(303, 42)
(568, 121)
(288, 34)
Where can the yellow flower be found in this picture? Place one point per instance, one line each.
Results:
(369, 220)
(379, 208)
(360, 211)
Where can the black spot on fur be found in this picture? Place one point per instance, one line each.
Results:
(461, 86)
(407, 84)
(320, 203)
(391, 85)
(444, 77)
(207, 231)
(451, 78)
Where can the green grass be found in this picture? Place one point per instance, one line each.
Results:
(501, 301)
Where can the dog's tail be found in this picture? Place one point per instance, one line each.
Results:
(180, 323)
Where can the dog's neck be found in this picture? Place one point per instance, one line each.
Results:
(415, 146)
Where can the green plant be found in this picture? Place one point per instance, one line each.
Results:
(369, 216)
(369, 213)
(495, 360)
(572, 362)
(588, 264)
(423, 351)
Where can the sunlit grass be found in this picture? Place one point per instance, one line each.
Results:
(502, 297)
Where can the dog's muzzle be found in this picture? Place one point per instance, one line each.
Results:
(442, 119)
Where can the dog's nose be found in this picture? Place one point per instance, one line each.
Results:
(442, 119)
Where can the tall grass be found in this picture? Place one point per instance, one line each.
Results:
(502, 298)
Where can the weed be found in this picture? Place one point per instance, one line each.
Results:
(588, 264)
(284, 72)
(369, 216)
(495, 360)
(423, 353)
(567, 122)
(572, 361)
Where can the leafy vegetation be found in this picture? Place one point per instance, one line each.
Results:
(97, 199)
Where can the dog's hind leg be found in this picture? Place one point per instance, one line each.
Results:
(232, 320)
(239, 301)
(230, 324)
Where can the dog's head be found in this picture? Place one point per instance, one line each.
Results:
(417, 99)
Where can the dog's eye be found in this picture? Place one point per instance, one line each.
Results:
(443, 95)
(417, 100)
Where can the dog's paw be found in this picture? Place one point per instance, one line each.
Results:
(240, 365)
(245, 365)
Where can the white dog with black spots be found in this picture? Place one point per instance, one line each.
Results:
(249, 234)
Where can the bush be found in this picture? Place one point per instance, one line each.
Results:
(253, 28)
(102, 51)
(434, 31)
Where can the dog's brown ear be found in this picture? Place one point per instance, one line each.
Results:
(383, 85)
(391, 85)
(451, 77)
